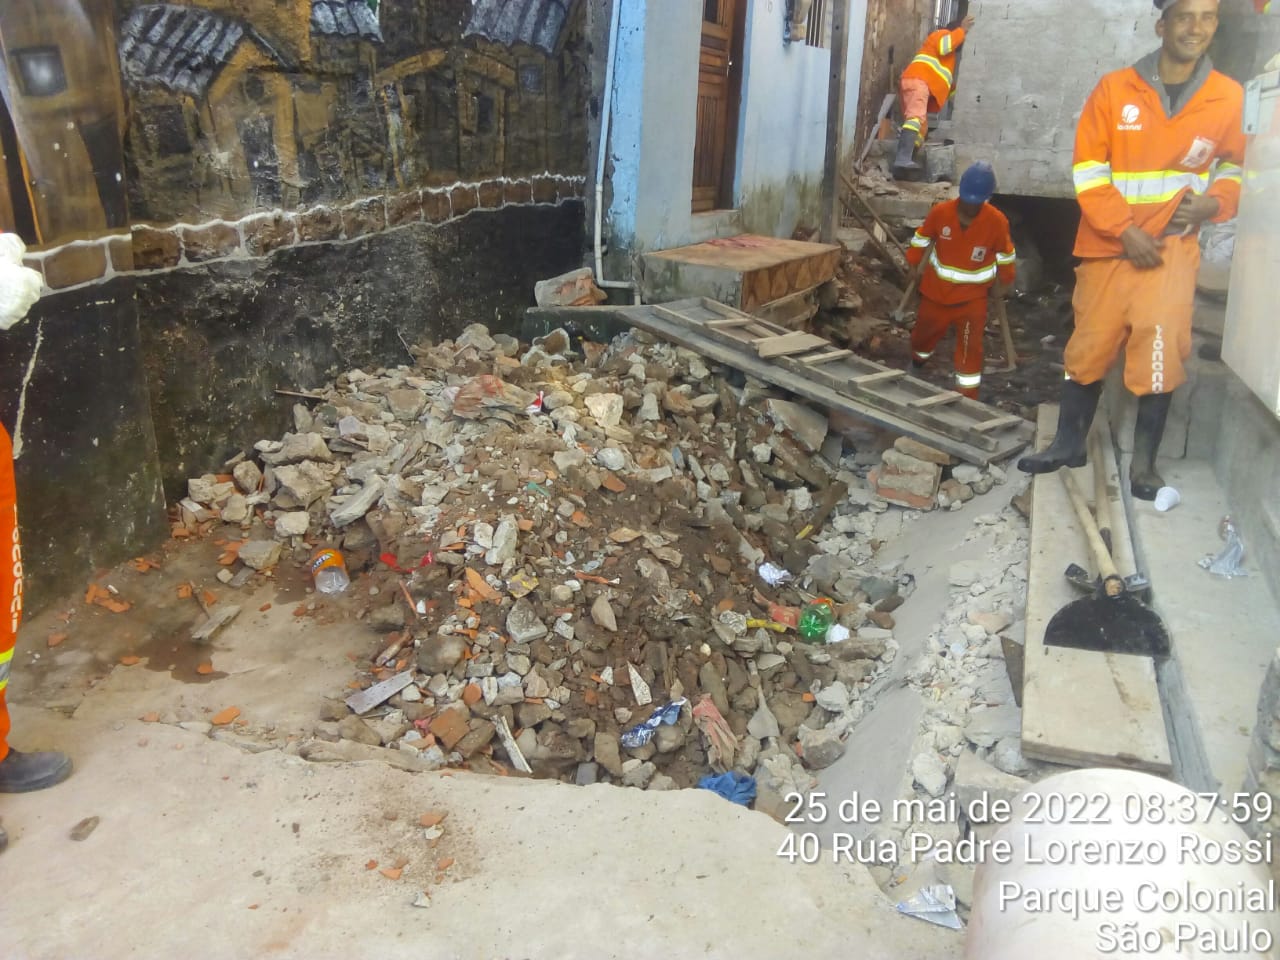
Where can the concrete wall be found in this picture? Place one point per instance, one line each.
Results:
(1024, 74)
(781, 133)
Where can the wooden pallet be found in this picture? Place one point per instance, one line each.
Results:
(814, 368)
(1082, 707)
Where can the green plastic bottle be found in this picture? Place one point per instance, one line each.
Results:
(815, 620)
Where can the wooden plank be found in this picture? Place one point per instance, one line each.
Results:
(953, 420)
(728, 324)
(814, 359)
(805, 385)
(880, 376)
(996, 423)
(1079, 706)
(787, 344)
(838, 43)
(939, 420)
(217, 618)
(949, 396)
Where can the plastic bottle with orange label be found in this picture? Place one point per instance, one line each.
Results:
(329, 571)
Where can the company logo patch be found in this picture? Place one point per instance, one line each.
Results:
(1129, 116)
(979, 254)
(946, 231)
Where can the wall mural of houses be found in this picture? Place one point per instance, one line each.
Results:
(227, 107)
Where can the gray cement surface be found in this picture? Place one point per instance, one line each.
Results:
(876, 764)
(207, 850)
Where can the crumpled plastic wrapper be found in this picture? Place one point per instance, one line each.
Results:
(936, 904)
(642, 733)
(20, 286)
(1227, 562)
(722, 745)
(774, 575)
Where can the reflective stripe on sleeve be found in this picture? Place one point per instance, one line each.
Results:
(1004, 259)
(919, 241)
(1227, 171)
(1090, 174)
(968, 379)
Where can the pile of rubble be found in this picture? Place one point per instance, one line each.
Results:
(551, 544)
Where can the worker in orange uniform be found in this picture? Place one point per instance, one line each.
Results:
(1159, 151)
(927, 85)
(969, 252)
(19, 772)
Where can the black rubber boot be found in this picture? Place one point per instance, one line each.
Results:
(1153, 411)
(24, 772)
(905, 160)
(1075, 414)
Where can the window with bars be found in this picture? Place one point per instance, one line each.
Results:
(818, 23)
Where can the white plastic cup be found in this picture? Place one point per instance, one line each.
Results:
(1167, 498)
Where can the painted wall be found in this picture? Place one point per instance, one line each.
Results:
(782, 141)
(781, 133)
(228, 196)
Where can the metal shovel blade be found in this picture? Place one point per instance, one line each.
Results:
(1122, 624)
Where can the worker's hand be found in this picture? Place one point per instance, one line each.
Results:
(968, 22)
(1141, 248)
(1192, 211)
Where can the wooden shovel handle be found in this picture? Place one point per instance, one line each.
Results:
(906, 296)
(1112, 582)
(1101, 502)
(1010, 354)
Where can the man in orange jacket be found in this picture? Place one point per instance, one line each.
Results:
(19, 772)
(1158, 152)
(927, 85)
(969, 249)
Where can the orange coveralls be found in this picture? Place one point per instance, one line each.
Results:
(1133, 165)
(927, 82)
(10, 579)
(963, 264)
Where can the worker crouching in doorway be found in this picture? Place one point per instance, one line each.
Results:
(966, 254)
(1158, 152)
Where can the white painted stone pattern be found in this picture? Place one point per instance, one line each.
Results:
(1025, 71)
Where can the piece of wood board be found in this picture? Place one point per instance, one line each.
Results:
(667, 325)
(1081, 707)
(216, 619)
(787, 344)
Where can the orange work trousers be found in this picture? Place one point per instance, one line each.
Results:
(1145, 312)
(934, 319)
(913, 97)
(10, 580)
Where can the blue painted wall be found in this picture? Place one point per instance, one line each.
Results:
(781, 132)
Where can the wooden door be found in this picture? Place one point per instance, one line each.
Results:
(717, 105)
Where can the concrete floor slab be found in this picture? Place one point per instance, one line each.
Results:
(1224, 632)
(206, 851)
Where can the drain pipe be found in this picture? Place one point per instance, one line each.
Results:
(606, 112)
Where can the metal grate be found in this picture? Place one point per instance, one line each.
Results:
(816, 32)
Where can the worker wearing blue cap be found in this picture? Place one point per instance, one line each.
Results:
(969, 252)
